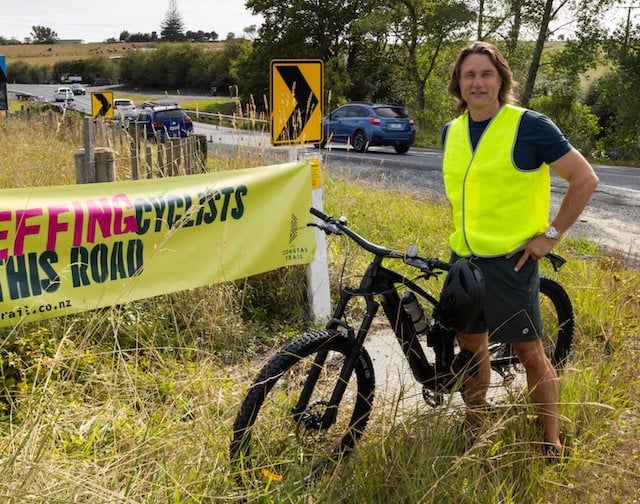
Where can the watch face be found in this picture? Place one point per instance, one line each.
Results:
(551, 232)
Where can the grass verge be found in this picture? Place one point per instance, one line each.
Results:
(136, 403)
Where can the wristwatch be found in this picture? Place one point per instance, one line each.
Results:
(552, 233)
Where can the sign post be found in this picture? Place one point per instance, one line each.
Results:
(297, 113)
(318, 291)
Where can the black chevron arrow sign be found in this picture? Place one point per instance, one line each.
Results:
(298, 101)
(104, 104)
(306, 101)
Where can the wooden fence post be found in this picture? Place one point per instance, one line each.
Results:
(104, 166)
(161, 167)
(89, 138)
(202, 147)
(134, 157)
(149, 160)
(169, 166)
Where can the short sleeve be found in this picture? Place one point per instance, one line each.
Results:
(539, 141)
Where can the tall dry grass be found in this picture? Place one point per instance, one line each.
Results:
(135, 403)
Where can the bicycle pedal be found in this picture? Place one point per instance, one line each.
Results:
(431, 397)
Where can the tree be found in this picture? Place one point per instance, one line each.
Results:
(139, 37)
(492, 15)
(614, 97)
(327, 30)
(586, 13)
(124, 36)
(172, 28)
(201, 36)
(43, 35)
(251, 31)
(423, 27)
(11, 41)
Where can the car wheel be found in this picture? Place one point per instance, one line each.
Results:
(359, 142)
(401, 148)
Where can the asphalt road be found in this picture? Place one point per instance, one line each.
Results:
(417, 158)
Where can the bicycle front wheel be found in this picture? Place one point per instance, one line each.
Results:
(557, 321)
(281, 430)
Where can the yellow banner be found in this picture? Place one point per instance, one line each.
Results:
(68, 249)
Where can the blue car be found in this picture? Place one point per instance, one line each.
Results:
(163, 121)
(363, 125)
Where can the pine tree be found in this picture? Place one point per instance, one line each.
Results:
(172, 28)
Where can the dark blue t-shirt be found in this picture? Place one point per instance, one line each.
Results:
(538, 141)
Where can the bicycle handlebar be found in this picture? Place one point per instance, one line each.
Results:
(411, 257)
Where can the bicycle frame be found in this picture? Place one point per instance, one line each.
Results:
(378, 281)
(382, 282)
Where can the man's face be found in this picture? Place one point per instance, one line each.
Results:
(479, 86)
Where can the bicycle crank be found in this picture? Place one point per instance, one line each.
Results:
(431, 397)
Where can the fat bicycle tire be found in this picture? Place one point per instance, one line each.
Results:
(559, 341)
(268, 442)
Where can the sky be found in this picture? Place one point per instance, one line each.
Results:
(96, 21)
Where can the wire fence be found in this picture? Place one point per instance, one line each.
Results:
(137, 155)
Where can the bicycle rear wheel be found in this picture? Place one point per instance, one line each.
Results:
(275, 436)
(557, 321)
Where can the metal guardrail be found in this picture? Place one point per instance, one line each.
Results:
(234, 119)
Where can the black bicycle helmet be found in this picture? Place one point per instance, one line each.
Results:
(463, 295)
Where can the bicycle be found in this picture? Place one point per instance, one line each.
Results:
(322, 384)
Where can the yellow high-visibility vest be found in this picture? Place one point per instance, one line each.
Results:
(497, 208)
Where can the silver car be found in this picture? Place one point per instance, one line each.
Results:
(78, 89)
(63, 94)
(124, 108)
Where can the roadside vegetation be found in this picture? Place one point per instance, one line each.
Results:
(135, 403)
(575, 61)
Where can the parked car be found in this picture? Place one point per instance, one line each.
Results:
(63, 94)
(363, 125)
(163, 121)
(123, 108)
(78, 89)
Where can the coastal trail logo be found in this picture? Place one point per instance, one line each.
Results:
(293, 228)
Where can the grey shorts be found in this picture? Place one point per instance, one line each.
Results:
(512, 309)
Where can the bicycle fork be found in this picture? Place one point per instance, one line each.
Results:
(300, 413)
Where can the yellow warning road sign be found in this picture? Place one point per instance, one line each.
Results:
(102, 104)
(297, 104)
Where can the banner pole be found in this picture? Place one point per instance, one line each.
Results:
(318, 291)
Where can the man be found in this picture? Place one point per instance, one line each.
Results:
(496, 174)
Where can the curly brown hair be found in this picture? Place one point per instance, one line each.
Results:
(507, 84)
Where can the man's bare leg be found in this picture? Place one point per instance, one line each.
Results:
(474, 391)
(544, 389)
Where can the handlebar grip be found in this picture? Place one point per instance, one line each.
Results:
(319, 214)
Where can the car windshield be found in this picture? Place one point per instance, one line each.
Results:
(123, 103)
(167, 115)
(391, 112)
